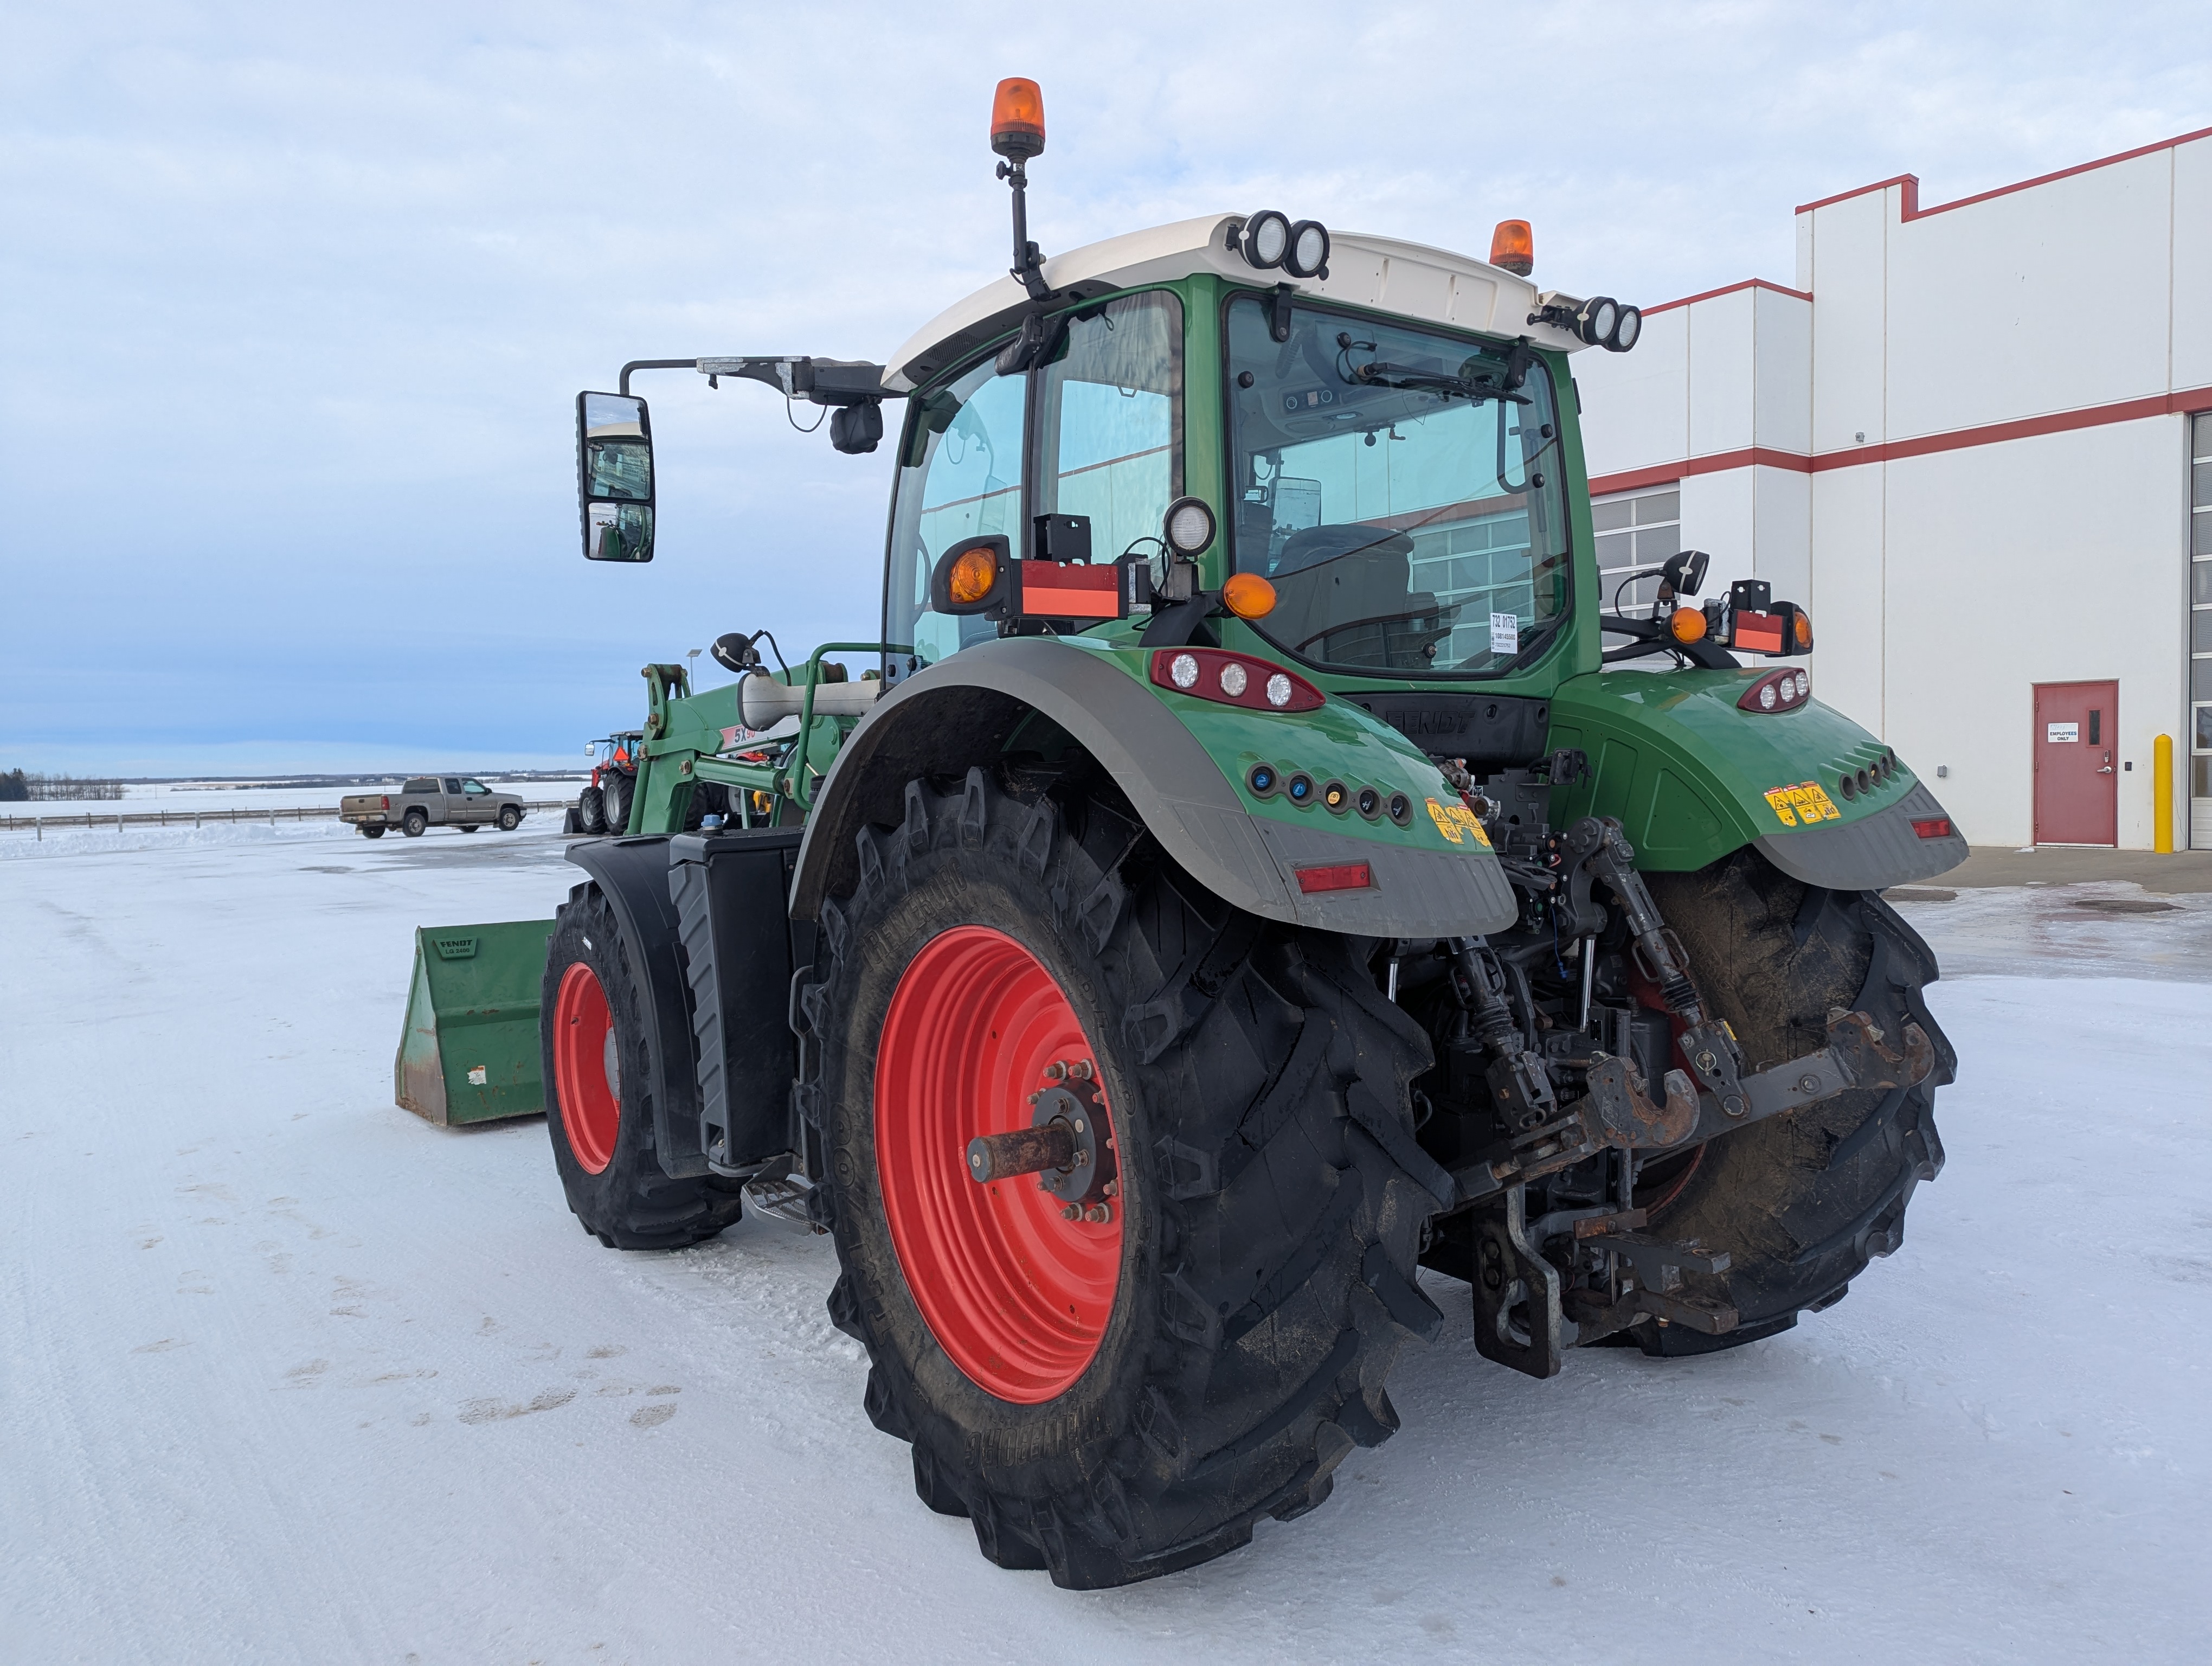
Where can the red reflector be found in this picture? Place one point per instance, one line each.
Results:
(1759, 633)
(1069, 590)
(1344, 875)
(1934, 827)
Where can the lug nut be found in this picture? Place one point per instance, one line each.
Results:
(1072, 1212)
(1055, 1072)
(1080, 1070)
(1099, 1213)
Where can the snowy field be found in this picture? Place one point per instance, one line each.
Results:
(288, 1375)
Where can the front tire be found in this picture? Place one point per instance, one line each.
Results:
(599, 1099)
(590, 812)
(1803, 1201)
(509, 819)
(1246, 1298)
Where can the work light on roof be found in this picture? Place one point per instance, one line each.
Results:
(1309, 249)
(1267, 238)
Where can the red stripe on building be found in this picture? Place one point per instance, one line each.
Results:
(1913, 210)
(2185, 402)
(1728, 289)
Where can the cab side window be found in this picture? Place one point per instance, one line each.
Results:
(1109, 423)
(960, 476)
(453, 785)
(473, 787)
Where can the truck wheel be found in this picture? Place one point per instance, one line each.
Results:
(467, 827)
(509, 819)
(590, 812)
(1803, 1202)
(371, 832)
(413, 823)
(614, 802)
(599, 1099)
(1124, 1393)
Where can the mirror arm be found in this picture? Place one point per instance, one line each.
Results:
(623, 388)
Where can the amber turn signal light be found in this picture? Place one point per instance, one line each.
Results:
(1017, 118)
(1249, 596)
(1801, 627)
(1513, 247)
(973, 572)
(1686, 624)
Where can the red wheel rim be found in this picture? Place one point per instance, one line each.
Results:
(583, 1041)
(1015, 1294)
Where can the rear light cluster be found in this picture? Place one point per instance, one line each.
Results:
(1233, 679)
(1932, 827)
(1265, 780)
(1883, 769)
(1776, 691)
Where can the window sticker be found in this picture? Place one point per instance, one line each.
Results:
(1505, 632)
(2062, 734)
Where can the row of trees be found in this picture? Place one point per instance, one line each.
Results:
(17, 788)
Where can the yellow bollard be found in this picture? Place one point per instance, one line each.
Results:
(2161, 795)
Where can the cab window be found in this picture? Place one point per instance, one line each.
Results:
(1109, 423)
(474, 786)
(960, 476)
(453, 784)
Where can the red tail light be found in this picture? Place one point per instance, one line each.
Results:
(1933, 827)
(1233, 679)
(1342, 876)
(388, 804)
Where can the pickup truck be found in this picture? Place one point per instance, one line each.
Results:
(427, 802)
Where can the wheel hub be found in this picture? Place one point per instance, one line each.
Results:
(1015, 1269)
(587, 1072)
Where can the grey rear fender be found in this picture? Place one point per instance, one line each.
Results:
(962, 712)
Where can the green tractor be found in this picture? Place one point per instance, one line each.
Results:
(1251, 866)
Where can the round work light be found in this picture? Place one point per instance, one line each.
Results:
(1189, 526)
(1308, 255)
(1626, 329)
(1267, 238)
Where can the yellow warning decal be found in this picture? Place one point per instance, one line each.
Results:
(1802, 802)
(1457, 823)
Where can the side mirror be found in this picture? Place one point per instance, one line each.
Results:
(974, 576)
(614, 476)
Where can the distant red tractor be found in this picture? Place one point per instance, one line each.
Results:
(604, 806)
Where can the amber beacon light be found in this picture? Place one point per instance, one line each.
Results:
(1512, 247)
(1017, 119)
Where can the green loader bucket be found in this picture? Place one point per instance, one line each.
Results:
(470, 1051)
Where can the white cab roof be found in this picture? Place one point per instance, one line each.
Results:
(1407, 278)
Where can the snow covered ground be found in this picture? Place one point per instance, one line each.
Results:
(287, 1374)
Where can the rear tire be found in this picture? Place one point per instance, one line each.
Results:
(1803, 1202)
(371, 832)
(599, 1099)
(467, 827)
(1271, 1195)
(616, 794)
(591, 812)
(413, 823)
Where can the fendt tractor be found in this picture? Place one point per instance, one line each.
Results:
(1243, 876)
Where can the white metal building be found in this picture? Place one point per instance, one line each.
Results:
(1975, 441)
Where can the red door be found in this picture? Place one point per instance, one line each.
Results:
(2076, 795)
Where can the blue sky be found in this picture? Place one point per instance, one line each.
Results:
(294, 300)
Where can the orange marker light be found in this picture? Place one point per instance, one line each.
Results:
(1249, 596)
(1513, 247)
(1017, 118)
(973, 572)
(1802, 627)
(1687, 625)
